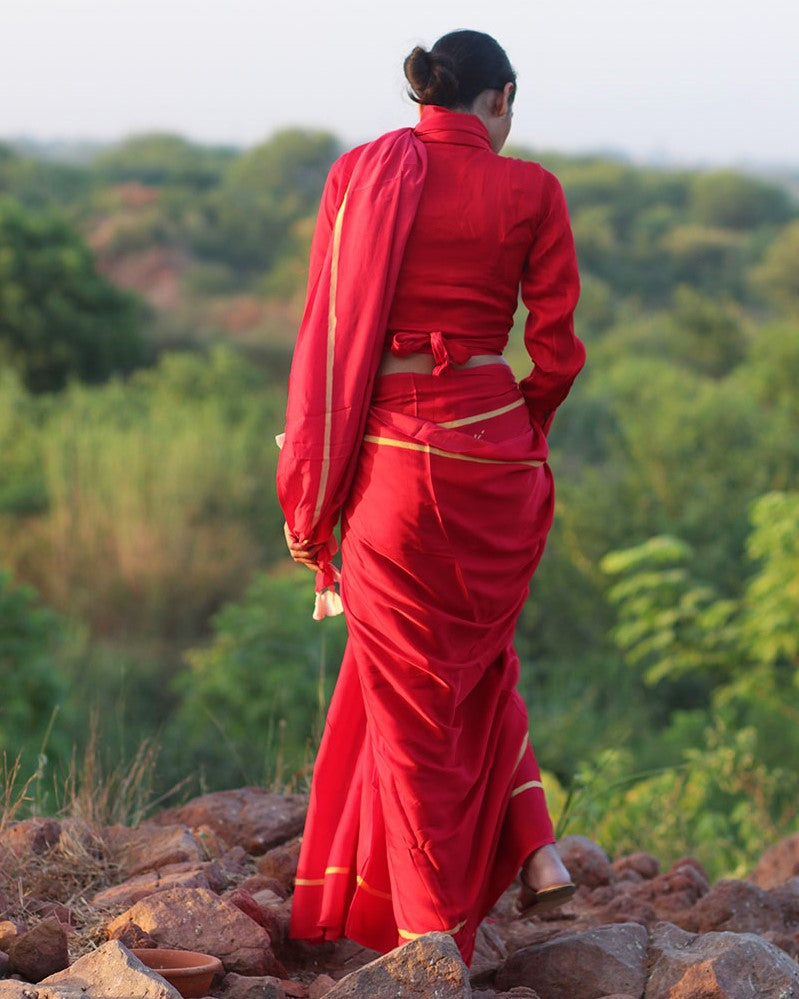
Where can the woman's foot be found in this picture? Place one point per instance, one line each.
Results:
(546, 883)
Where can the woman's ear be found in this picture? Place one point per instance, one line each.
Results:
(505, 100)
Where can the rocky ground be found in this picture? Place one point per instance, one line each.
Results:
(216, 876)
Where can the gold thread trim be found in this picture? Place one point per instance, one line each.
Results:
(331, 347)
(482, 416)
(428, 449)
(408, 935)
(372, 891)
(521, 751)
(306, 882)
(526, 787)
(337, 870)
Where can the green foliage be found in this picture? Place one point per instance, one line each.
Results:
(155, 488)
(777, 276)
(260, 690)
(37, 184)
(161, 159)
(720, 803)
(771, 625)
(706, 335)
(248, 220)
(58, 317)
(22, 481)
(33, 687)
(732, 200)
(669, 625)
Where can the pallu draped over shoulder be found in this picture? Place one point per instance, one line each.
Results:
(426, 795)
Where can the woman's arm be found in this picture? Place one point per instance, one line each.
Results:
(550, 289)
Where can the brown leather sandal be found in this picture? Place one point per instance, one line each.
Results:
(533, 903)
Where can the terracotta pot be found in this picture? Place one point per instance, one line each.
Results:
(189, 971)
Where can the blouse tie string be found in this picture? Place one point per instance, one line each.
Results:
(445, 352)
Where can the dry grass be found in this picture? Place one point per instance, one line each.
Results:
(71, 870)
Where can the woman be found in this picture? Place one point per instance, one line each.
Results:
(405, 422)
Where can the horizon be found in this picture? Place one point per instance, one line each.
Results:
(704, 84)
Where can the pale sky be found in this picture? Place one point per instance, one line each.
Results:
(692, 81)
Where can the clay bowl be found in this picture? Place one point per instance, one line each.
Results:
(189, 971)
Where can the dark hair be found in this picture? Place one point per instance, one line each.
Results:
(459, 66)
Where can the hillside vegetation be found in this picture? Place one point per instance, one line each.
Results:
(148, 304)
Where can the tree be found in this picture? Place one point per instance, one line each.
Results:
(248, 221)
(33, 688)
(731, 200)
(162, 158)
(777, 277)
(263, 683)
(59, 318)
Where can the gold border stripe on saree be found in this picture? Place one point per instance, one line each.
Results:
(331, 349)
(429, 449)
(526, 787)
(306, 882)
(408, 935)
(450, 424)
(372, 891)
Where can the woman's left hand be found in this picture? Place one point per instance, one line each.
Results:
(302, 552)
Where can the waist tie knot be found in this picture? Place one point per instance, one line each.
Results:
(445, 354)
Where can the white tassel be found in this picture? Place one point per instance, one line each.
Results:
(327, 604)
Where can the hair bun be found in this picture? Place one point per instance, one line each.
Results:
(431, 78)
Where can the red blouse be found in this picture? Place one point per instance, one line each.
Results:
(486, 227)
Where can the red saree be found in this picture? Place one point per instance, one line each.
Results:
(426, 796)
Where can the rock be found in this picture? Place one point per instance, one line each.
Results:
(625, 907)
(134, 937)
(320, 986)
(520, 992)
(211, 845)
(717, 966)
(489, 953)
(429, 966)
(150, 847)
(31, 836)
(40, 951)
(584, 965)
(196, 919)
(112, 971)
(9, 930)
(735, 906)
(787, 898)
(44, 910)
(778, 864)
(280, 864)
(586, 862)
(245, 987)
(251, 817)
(143, 885)
(5, 964)
(17, 990)
(675, 891)
(266, 918)
(643, 865)
(235, 864)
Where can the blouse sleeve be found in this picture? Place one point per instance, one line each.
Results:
(550, 289)
(297, 476)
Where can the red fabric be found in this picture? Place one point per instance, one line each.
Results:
(413, 825)
(426, 796)
(350, 286)
(473, 199)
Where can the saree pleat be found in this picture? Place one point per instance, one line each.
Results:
(427, 796)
